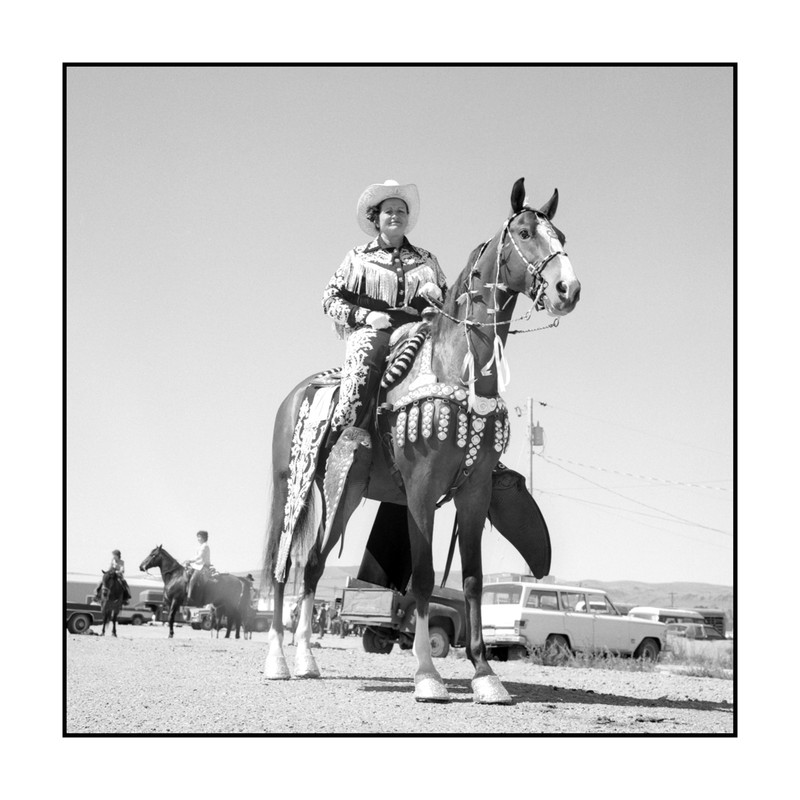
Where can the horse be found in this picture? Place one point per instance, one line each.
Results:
(439, 431)
(112, 597)
(230, 601)
(176, 581)
(228, 594)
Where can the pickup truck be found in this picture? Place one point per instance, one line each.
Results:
(258, 621)
(388, 616)
(79, 617)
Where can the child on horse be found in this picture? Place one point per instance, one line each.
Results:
(117, 565)
(200, 567)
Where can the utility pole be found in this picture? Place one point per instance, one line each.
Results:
(530, 445)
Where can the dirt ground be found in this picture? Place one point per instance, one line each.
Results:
(144, 683)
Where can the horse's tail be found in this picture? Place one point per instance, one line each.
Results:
(300, 426)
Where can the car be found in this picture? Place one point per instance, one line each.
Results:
(666, 615)
(520, 616)
(695, 630)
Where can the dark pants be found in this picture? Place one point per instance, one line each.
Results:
(196, 590)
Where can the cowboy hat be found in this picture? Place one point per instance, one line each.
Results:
(376, 193)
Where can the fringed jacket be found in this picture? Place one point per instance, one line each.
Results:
(377, 278)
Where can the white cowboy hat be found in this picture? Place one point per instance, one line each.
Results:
(378, 192)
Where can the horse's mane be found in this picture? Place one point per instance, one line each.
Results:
(456, 288)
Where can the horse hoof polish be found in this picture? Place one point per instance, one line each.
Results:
(429, 690)
(276, 671)
(490, 691)
(305, 666)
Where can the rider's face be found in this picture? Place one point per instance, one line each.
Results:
(393, 217)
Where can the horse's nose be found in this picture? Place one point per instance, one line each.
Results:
(569, 292)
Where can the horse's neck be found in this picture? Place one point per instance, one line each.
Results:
(169, 565)
(454, 341)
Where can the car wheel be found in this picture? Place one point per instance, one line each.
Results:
(556, 650)
(79, 623)
(137, 620)
(206, 624)
(374, 643)
(647, 650)
(440, 642)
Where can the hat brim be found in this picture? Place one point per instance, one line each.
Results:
(378, 192)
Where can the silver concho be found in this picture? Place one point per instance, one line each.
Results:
(413, 417)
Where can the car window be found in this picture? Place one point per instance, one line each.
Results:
(598, 604)
(501, 595)
(545, 600)
(572, 601)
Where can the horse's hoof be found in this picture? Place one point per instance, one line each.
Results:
(430, 690)
(276, 669)
(305, 666)
(490, 691)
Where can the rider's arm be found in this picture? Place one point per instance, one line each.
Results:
(419, 302)
(337, 298)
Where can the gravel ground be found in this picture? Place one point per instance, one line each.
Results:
(144, 683)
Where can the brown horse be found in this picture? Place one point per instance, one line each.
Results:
(176, 582)
(229, 595)
(439, 432)
(112, 598)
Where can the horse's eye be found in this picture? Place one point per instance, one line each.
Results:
(524, 234)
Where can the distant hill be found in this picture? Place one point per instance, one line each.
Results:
(624, 593)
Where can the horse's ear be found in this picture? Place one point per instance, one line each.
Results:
(518, 196)
(549, 208)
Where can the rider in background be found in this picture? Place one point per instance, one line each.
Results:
(379, 286)
(201, 569)
(117, 565)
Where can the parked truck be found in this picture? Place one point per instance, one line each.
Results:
(79, 617)
(388, 617)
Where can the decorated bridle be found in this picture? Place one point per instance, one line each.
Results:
(538, 283)
(536, 292)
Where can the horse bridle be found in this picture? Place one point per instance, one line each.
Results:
(538, 284)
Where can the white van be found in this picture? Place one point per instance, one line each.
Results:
(560, 619)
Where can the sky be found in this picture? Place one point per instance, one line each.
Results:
(207, 207)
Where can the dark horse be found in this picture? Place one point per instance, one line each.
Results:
(229, 595)
(438, 435)
(112, 597)
(234, 611)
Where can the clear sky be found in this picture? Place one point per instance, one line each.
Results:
(208, 207)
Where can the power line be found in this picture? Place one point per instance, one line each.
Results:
(629, 428)
(612, 509)
(637, 502)
(632, 475)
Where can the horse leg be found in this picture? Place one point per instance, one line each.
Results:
(275, 667)
(173, 610)
(305, 665)
(428, 684)
(105, 621)
(114, 616)
(471, 505)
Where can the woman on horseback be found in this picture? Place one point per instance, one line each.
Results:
(379, 286)
(117, 565)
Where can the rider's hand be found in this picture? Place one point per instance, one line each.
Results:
(379, 320)
(431, 292)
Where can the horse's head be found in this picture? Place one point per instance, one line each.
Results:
(109, 576)
(533, 249)
(152, 560)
